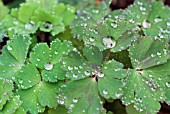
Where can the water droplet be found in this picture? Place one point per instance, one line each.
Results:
(95, 11)
(20, 81)
(146, 24)
(38, 59)
(29, 25)
(152, 55)
(101, 75)
(61, 102)
(142, 8)
(105, 92)
(29, 81)
(168, 23)
(158, 53)
(91, 39)
(70, 68)
(75, 76)
(56, 52)
(75, 100)
(157, 20)
(87, 73)
(109, 43)
(167, 84)
(48, 66)
(9, 48)
(114, 25)
(47, 25)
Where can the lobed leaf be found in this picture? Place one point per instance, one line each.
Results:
(83, 98)
(11, 106)
(146, 53)
(6, 88)
(110, 76)
(13, 56)
(41, 95)
(49, 59)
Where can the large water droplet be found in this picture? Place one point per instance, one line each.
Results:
(48, 66)
(108, 42)
(100, 74)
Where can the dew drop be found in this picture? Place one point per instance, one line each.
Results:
(56, 52)
(38, 59)
(29, 25)
(9, 48)
(91, 39)
(146, 24)
(168, 23)
(114, 25)
(87, 73)
(70, 68)
(142, 8)
(61, 102)
(157, 20)
(167, 84)
(47, 25)
(109, 43)
(75, 76)
(105, 92)
(101, 75)
(158, 53)
(75, 100)
(48, 66)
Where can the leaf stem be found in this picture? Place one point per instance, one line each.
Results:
(98, 2)
(108, 55)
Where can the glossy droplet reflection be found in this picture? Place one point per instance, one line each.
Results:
(108, 42)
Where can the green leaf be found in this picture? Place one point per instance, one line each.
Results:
(79, 67)
(88, 18)
(142, 92)
(28, 77)
(11, 105)
(22, 15)
(90, 53)
(84, 99)
(109, 82)
(47, 94)
(59, 110)
(40, 58)
(31, 103)
(139, 11)
(46, 5)
(131, 110)
(13, 56)
(49, 59)
(39, 96)
(3, 10)
(66, 12)
(20, 110)
(6, 88)
(51, 24)
(76, 66)
(145, 53)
